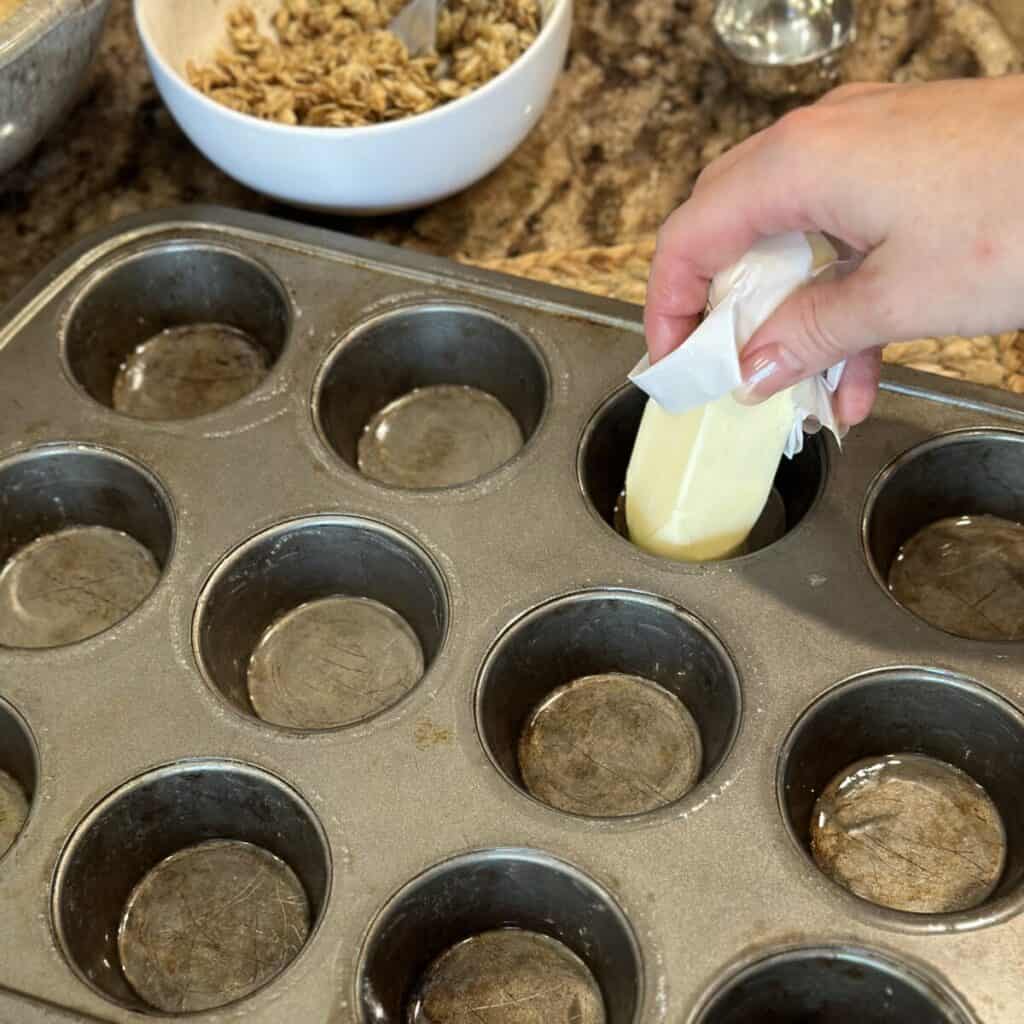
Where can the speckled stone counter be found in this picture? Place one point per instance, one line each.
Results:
(618, 147)
(644, 103)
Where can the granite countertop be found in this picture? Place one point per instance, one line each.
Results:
(644, 104)
(612, 175)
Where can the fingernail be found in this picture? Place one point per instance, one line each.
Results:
(767, 372)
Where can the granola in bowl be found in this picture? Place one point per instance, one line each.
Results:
(333, 63)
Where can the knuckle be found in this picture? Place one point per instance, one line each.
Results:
(879, 305)
(704, 177)
(847, 91)
(665, 239)
(799, 144)
(798, 124)
(822, 345)
(658, 293)
(658, 289)
(817, 132)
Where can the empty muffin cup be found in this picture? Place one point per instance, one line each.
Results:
(431, 397)
(510, 975)
(176, 331)
(517, 929)
(87, 535)
(831, 985)
(607, 445)
(900, 786)
(320, 623)
(607, 703)
(943, 531)
(909, 832)
(19, 772)
(210, 924)
(609, 745)
(191, 887)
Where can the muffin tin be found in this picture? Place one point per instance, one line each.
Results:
(410, 828)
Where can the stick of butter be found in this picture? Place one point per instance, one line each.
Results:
(698, 480)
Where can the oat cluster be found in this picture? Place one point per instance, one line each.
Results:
(333, 63)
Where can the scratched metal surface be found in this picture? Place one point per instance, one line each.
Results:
(665, 907)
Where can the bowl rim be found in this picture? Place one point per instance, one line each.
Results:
(559, 9)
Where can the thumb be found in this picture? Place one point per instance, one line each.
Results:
(819, 325)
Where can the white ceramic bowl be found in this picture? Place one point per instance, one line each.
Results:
(376, 169)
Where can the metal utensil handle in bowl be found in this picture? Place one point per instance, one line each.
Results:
(416, 25)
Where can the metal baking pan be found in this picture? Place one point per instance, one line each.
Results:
(408, 827)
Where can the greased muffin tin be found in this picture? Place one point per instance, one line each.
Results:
(409, 827)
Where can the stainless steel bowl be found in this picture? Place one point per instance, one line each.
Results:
(46, 47)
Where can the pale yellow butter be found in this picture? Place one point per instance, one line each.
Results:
(698, 482)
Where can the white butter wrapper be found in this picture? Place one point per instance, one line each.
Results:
(741, 298)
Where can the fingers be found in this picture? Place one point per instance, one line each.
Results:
(858, 389)
(818, 326)
(676, 296)
(782, 179)
(677, 290)
(718, 224)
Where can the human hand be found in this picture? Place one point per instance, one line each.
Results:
(925, 181)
